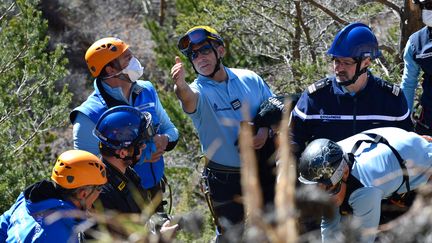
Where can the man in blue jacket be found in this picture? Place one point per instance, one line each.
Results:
(351, 101)
(417, 57)
(116, 73)
(49, 211)
(361, 171)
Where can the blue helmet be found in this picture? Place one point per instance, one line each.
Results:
(355, 40)
(124, 126)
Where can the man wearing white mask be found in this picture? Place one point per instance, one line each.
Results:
(418, 57)
(116, 72)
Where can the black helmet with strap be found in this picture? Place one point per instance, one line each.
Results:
(322, 162)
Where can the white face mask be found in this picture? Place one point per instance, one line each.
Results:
(134, 69)
(427, 17)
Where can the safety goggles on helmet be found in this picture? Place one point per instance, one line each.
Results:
(194, 37)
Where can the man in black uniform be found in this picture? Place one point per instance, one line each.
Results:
(122, 132)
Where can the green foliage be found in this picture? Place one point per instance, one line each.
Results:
(30, 104)
(186, 182)
(165, 54)
(368, 9)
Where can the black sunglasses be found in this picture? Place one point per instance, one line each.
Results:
(203, 50)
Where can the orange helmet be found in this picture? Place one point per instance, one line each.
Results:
(102, 52)
(77, 168)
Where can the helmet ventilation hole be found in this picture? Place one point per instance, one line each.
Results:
(70, 179)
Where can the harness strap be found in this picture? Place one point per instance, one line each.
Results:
(206, 191)
(379, 139)
(352, 184)
(165, 183)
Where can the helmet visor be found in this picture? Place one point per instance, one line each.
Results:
(147, 130)
(333, 180)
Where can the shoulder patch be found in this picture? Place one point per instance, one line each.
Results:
(393, 88)
(318, 85)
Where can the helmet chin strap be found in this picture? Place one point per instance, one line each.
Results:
(132, 158)
(356, 75)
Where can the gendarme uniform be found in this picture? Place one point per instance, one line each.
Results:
(122, 191)
(219, 112)
(379, 173)
(217, 119)
(327, 110)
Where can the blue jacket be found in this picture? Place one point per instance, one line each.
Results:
(325, 111)
(418, 56)
(146, 100)
(25, 220)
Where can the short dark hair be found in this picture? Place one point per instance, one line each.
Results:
(106, 151)
(64, 193)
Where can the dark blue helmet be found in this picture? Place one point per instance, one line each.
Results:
(123, 126)
(355, 40)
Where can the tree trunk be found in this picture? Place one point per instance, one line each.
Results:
(411, 21)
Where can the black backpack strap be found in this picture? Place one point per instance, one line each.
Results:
(379, 139)
(352, 184)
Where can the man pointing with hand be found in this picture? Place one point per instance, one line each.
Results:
(215, 101)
